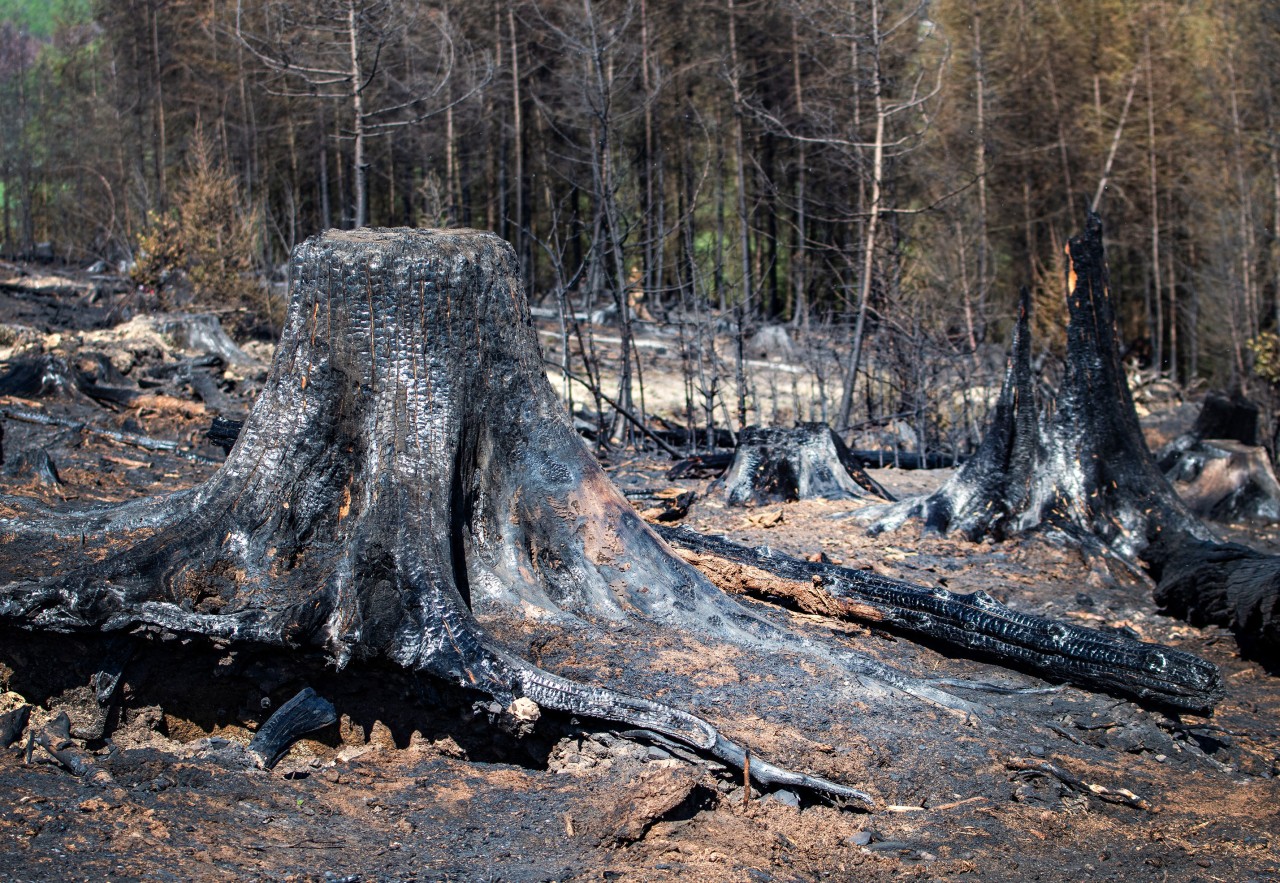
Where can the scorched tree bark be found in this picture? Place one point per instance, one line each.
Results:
(408, 463)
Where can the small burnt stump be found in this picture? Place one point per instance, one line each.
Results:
(773, 465)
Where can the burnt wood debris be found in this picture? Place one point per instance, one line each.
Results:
(1079, 468)
(407, 470)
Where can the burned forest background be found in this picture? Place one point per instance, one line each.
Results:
(854, 189)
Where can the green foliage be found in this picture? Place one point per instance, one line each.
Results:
(41, 17)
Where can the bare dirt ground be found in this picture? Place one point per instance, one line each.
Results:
(416, 782)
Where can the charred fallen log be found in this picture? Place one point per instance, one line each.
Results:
(1084, 469)
(715, 465)
(223, 432)
(880, 458)
(50, 376)
(125, 438)
(974, 622)
(777, 465)
(700, 466)
(1212, 583)
(406, 467)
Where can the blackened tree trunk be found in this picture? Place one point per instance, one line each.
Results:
(776, 465)
(407, 465)
(1085, 469)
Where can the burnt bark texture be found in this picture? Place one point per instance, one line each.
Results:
(406, 467)
(1082, 468)
(779, 465)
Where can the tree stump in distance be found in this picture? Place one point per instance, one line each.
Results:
(1224, 480)
(1082, 465)
(777, 465)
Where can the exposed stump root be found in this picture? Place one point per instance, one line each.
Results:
(406, 467)
(777, 465)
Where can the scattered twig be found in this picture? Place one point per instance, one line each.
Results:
(1110, 795)
(631, 418)
(956, 804)
(124, 438)
(1065, 733)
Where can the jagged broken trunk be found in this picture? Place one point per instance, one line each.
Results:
(778, 465)
(1081, 467)
(994, 486)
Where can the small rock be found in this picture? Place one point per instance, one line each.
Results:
(786, 798)
(862, 838)
(890, 846)
(653, 752)
(648, 797)
(524, 709)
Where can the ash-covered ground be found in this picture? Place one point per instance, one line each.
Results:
(421, 782)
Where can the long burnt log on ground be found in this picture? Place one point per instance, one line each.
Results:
(406, 464)
(1083, 468)
(778, 465)
(975, 623)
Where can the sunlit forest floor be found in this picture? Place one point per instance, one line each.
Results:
(415, 783)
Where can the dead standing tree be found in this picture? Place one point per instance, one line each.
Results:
(407, 463)
(332, 51)
(1085, 470)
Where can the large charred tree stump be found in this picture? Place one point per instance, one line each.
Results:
(408, 465)
(777, 465)
(1083, 468)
